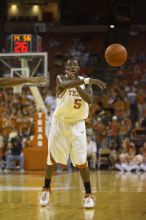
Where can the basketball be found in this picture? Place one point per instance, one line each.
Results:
(115, 55)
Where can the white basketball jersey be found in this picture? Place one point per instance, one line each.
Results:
(71, 107)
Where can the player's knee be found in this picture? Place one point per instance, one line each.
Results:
(81, 166)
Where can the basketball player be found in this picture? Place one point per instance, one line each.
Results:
(16, 81)
(67, 133)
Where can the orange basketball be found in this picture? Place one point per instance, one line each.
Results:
(115, 54)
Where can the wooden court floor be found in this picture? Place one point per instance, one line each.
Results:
(118, 196)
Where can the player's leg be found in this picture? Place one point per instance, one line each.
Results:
(45, 196)
(49, 171)
(85, 175)
(55, 155)
(50, 168)
(79, 158)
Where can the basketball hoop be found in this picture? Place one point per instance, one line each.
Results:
(24, 65)
(17, 89)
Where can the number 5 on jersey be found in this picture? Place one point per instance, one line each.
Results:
(77, 103)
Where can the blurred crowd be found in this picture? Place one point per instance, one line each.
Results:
(116, 126)
(79, 48)
(119, 114)
(17, 123)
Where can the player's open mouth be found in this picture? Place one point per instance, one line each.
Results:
(73, 71)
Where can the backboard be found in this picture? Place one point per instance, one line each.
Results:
(23, 65)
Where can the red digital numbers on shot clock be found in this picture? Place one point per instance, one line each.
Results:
(21, 47)
(21, 43)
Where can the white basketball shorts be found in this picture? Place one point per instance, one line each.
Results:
(67, 139)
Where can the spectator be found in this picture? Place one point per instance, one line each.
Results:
(114, 131)
(125, 128)
(141, 102)
(143, 120)
(14, 153)
(100, 132)
(128, 161)
(1, 151)
(113, 156)
(119, 107)
(142, 165)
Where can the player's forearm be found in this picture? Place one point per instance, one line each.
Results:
(12, 82)
(84, 95)
(16, 81)
(72, 83)
(68, 84)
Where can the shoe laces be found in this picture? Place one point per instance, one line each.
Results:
(44, 195)
(88, 198)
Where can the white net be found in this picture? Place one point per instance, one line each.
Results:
(20, 72)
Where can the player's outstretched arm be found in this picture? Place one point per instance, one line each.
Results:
(65, 83)
(15, 81)
(71, 83)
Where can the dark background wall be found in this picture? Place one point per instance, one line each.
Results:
(101, 11)
(3, 17)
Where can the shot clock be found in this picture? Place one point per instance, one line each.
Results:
(21, 43)
(24, 43)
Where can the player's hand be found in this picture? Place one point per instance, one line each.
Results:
(99, 83)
